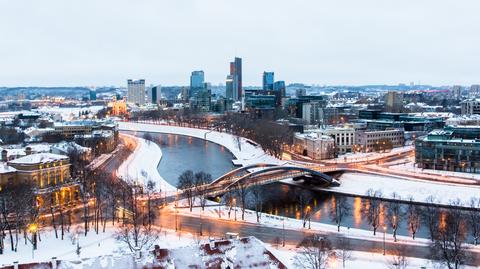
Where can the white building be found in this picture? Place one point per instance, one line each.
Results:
(381, 140)
(317, 147)
(136, 91)
(344, 137)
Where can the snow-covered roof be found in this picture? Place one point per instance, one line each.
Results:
(39, 158)
(4, 168)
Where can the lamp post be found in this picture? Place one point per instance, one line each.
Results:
(235, 204)
(384, 234)
(283, 231)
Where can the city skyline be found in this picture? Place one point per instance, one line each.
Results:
(319, 43)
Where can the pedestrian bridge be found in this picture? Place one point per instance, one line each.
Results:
(261, 174)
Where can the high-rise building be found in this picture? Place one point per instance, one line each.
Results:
(394, 102)
(136, 91)
(153, 95)
(229, 87)
(236, 76)
(197, 81)
(457, 91)
(268, 79)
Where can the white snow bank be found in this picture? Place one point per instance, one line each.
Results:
(142, 164)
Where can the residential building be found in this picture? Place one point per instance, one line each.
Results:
(313, 145)
(312, 113)
(470, 107)
(136, 91)
(378, 140)
(457, 91)
(474, 90)
(394, 102)
(268, 80)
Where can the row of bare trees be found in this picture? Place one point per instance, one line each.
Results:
(270, 135)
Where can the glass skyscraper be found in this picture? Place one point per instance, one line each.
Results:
(268, 79)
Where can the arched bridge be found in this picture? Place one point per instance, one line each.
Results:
(260, 174)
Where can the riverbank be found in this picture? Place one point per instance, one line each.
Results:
(142, 164)
(246, 152)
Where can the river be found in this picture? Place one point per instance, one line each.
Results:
(182, 153)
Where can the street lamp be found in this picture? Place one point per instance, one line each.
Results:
(32, 228)
(235, 204)
(308, 215)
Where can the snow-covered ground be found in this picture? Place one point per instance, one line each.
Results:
(357, 260)
(419, 190)
(410, 166)
(245, 155)
(368, 156)
(92, 245)
(142, 164)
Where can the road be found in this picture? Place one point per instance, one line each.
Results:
(218, 228)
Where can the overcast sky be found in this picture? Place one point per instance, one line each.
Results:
(354, 42)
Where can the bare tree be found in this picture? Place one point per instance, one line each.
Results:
(150, 189)
(339, 210)
(473, 218)
(134, 234)
(431, 216)
(201, 181)
(398, 258)
(394, 214)
(242, 191)
(303, 198)
(257, 195)
(344, 251)
(372, 209)
(186, 182)
(448, 247)
(315, 253)
(413, 217)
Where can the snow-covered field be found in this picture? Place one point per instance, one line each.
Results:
(245, 155)
(142, 164)
(419, 190)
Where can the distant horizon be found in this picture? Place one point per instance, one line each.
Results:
(54, 42)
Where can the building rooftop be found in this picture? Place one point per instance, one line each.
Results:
(39, 158)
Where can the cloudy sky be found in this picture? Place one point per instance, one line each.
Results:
(348, 42)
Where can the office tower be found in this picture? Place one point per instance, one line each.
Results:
(93, 94)
(280, 86)
(153, 95)
(136, 91)
(394, 102)
(197, 80)
(229, 87)
(268, 79)
(236, 76)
